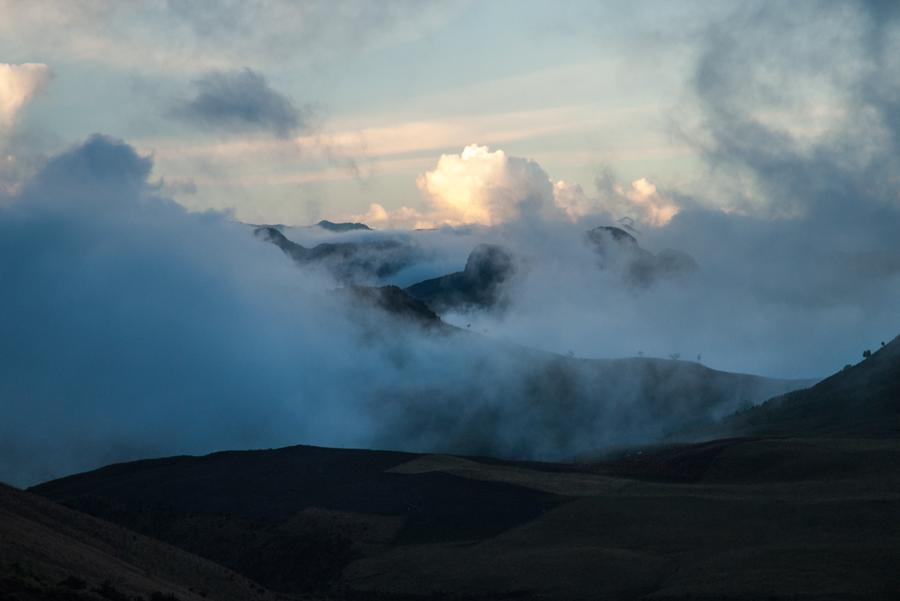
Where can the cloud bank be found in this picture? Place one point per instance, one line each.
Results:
(793, 224)
(130, 327)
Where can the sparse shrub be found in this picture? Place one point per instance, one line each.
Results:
(867, 353)
(675, 356)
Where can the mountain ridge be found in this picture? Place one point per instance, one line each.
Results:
(860, 399)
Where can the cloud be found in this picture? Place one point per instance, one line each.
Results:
(404, 217)
(178, 186)
(183, 36)
(793, 221)
(786, 134)
(641, 202)
(801, 269)
(483, 187)
(487, 188)
(476, 187)
(130, 327)
(240, 100)
(18, 85)
(20, 147)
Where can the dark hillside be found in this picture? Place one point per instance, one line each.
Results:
(293, 518)
(861, 400)
(479, 285)
(349, 262)
(51, 553)
(737, 519)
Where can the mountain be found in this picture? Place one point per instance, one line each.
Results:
(541, 406)
(809, 514)
(347, 261)
(479, 285)
(617, 249)
(731, 519)
(52, 553)
(860, 400)
(395, 302)
(483, 281)
(293, 518)
(535, 404)
(489, 268)
(342, 227)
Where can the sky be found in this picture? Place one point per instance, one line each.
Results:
(751, 148)
(380, 91)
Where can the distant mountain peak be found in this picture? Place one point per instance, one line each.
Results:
(617, 249)
(396, 302)
(347, 226)
(348, 261)
(479, 284)
(600, 234)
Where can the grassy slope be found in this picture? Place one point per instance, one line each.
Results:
(743, 519)
(50, 552)
(293, 518)
(861, 400)
(808, 516)
(758, 519)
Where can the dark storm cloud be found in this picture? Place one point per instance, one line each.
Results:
(240, 100)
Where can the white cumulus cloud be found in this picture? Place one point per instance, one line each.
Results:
(484, 187)
(18, 85)
(480, 186)
(639, 201)
(476, 186)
